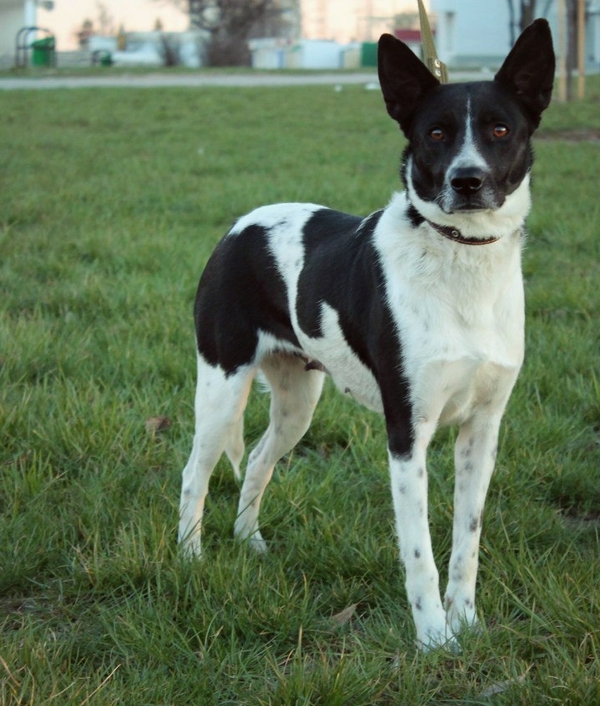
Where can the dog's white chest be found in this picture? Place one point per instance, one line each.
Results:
(462, 345)
(454, 389)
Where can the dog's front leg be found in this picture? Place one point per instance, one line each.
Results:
(475, 455)
(409, 493)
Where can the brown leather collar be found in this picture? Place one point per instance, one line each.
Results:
(458, 237)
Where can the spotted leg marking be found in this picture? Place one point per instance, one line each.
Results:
(475, 455)
(409, 492)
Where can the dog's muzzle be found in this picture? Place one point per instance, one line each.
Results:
(467, 182)
(470, 189)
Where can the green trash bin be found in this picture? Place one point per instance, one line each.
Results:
(368, 54)
(43, 52)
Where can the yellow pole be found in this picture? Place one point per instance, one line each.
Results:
(562, 52)
(581, 49)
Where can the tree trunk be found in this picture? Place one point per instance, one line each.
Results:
(527, 13)
(571, 47)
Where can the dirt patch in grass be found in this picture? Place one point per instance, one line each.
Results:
(579, 521)
(570, 136)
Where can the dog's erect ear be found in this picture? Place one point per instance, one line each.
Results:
(403, 77)
(528, 70)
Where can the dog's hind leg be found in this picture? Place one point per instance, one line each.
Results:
(219, 405)
(295, 392)
(235, 446)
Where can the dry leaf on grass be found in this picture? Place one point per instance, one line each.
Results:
(156, 424)
(500, 687)
(344, 616)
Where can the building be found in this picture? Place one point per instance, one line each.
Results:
(472, 33)
(351, 20)
(14, 15)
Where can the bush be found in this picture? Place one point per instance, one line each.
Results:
(170, 49)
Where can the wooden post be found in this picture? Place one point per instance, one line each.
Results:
(581, 49)
(562, 51)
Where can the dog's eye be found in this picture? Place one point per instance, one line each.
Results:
(437, 134)
(501, 131)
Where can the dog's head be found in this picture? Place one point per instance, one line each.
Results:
(469, 147)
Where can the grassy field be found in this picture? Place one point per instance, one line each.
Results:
(110, 202)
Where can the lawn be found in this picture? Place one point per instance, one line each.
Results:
(110, 203)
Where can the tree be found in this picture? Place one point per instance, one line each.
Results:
(523, 12)
(521, 15)
(572, 11)
(527, 13)
(106, 22)
(229, 24)
(84, 34)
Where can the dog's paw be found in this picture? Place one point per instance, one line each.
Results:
(258, 544)
(253, 539)
(190, 547)
(439, 640)
(460, 615)
(433, 632)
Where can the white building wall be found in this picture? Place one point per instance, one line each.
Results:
(30, 13)
(477, 32)
(592, 38)
(472, 31)
(14, 14)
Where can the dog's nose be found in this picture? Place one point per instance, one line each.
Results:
(467, 181)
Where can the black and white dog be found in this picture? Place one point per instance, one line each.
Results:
(416, 311)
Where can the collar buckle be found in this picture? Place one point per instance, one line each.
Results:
(455, 235)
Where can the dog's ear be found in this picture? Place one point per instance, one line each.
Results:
(528, 70)
(403, 77)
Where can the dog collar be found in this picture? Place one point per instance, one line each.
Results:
(454, 234)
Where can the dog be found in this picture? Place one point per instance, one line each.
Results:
(416, 311)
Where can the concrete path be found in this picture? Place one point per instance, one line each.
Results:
(199, 80)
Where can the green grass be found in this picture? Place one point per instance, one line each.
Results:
(110, 203)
